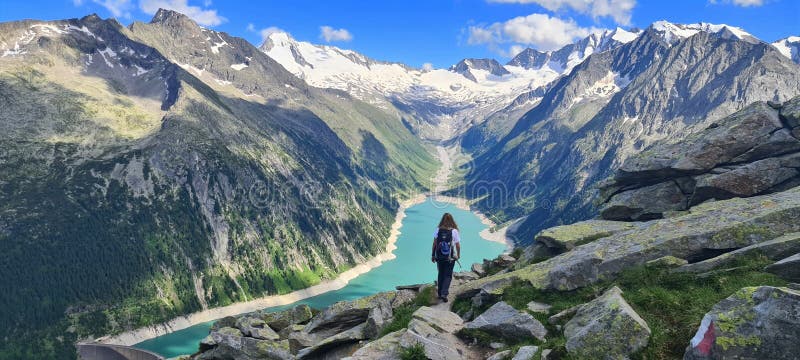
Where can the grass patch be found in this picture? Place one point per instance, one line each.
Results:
(414, 352)
(426, 297)
(672, 304)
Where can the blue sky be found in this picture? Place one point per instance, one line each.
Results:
(439, 32)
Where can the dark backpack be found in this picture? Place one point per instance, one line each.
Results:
(444, 245)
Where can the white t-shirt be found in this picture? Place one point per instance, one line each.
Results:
(456, 237)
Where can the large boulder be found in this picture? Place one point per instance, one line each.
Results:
(344, 315)
(745, 180)
(567, 237)
(788, 268)
(256, 328)
(741, 137)
(282, 319)
(430, 328)
(504, 321)
(754, 323)
(645, 203)
(527, 352)
(348, 336)
(228, 343)
(378, 318)
(709, 227)
(774, 249)
(606, 327)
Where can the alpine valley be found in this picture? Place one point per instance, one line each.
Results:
(158, 169)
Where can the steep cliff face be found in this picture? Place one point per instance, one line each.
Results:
(613, 105)
(159, 169)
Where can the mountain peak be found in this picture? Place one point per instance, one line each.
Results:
(672, 32)
(166, 16)
(465, 67)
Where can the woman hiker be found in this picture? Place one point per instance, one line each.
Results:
(445, 239)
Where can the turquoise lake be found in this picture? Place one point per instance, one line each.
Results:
(412, 265)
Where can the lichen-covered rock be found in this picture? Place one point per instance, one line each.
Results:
(667, 261)
(788, 268)
(774, 249)
(256, 328)
(478, 269)
(790, 112)
(606, 328)
(745, 180)
(281, 319)
(437, 345)
(567, 237)
(727, 224)
(504, 321)
(754, 323)
(645, 203)
(228, 343)
(347, 314)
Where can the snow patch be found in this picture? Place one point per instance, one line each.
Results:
(108, 53)
(238, 67)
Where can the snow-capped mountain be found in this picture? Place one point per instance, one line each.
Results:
(672, 33)
(564, 59)
(789, 47)
(440, 98)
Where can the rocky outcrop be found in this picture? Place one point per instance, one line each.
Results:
(344, 315)
(606, 328)
(502, 320)
(775, 249)
(430, 328)
(708, 228)
(754, 323)
(230, 343)
(567, 237)
(282, 319)
(788, 268)
(751, 152)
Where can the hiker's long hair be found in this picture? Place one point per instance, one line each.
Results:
(448, 222)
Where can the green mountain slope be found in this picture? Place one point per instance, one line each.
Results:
(135, 188)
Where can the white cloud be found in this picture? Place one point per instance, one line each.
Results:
(205, 17)
(537, 30)
(619, 10)
(330, 34)
(117, 8)
(265, 32)
(427, 67)
(742, 3)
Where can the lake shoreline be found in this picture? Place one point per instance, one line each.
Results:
(136, 336)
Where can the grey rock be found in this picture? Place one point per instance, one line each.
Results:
(500, 355)
(608, 326)
(526, 352)
(403, 297)
(441, 320)
(790, 112)
(754, 323)
(774, 249)
(504, 321)
(504, 261)
(352, 335)
(282, 319)
(255, 328)
(746, 180)
(228, 343)
(465, 276)
(497, 345)
(413, 287)
(546, 354)
(347, 314)
(438, 345)
(645, 203)
(788, 268)
(538, 307)
(379, 316)
(478, 269)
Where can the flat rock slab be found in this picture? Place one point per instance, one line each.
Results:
(606, 325)
(754, 323)
(567, 237)
(504, 321)
(441, 320)
(775, 249)
(788, 268)
(526, 352)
